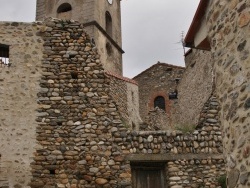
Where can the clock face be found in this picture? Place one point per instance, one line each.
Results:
(110, 1)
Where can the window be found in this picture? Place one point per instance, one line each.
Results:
(177, 80)
(64, 11)
(4, 55)
(108, 23)
(160, 103)
(168, 70)
(109, 49)
(148, 175)
(173, 95)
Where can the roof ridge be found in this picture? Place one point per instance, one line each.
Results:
(159, 63)
(126, 79)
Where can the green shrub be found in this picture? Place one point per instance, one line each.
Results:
(222, 180)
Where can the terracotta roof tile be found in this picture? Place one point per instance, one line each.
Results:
(121, 77)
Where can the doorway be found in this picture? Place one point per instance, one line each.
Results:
(148, 175)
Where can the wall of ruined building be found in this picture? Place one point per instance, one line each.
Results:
(228, 23)
(194, 158)
(74, 124)
(194, 89)
(82, 140)
(193, 151)
(77, 132)
(124, 92)
(156, 120)
(19, 84)
(158, 80)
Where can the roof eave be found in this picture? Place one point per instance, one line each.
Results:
(193, 29)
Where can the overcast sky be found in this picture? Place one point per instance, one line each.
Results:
(151, 29)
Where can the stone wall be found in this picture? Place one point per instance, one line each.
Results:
(19, 84)
(77, 133)
(81, 138)
(124, 92)
(156, 120)
(158, 80)
(228, 24)
(194, 89)
(76, 114)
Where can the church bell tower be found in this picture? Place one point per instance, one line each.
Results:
(101, 19)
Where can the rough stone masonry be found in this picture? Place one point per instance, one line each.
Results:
(68, 129)
(228, 24)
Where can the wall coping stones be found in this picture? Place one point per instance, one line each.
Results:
(171, 157)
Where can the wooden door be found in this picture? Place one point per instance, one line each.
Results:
(148, 175)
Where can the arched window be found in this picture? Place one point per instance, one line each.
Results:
(108, 23)
(64, 11)
(160, 103)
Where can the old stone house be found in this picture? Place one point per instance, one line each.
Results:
(158, 88)
(222, 28)
(68, 114)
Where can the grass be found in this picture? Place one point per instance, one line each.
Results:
(185, 128)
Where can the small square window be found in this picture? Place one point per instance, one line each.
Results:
(4, 54)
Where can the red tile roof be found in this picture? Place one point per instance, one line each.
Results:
(121, 77)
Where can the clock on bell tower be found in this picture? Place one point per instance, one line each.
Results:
(101, 19)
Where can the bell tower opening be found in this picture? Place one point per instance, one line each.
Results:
(64, 11)
(108, 23)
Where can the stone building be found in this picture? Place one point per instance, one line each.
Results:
(158, 88)
(222, 27)
(68, 116)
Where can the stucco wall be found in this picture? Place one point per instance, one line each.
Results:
(194, 89)
(229, 23)
(18, 88)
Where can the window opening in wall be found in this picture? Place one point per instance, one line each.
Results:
(133, 96)
(169, 69)
(108, 23)
(64, 11)
(160, 103)
(74, 75)
(4, 55)
(148, 175)
(177, 80)
(173, 95)
(59, 123)
(109, 49)
(192, 65)
(52, 172)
